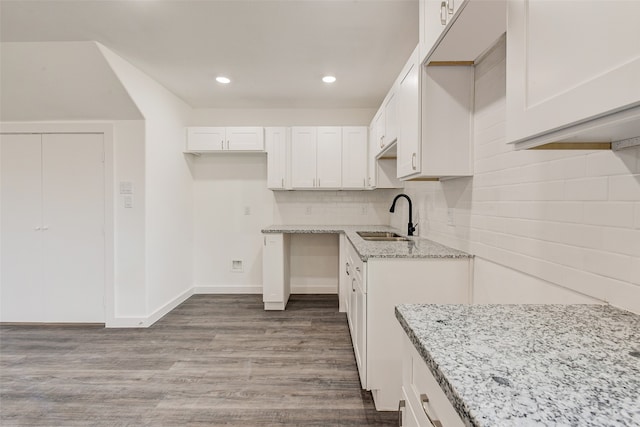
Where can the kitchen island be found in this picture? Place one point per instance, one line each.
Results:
(521, 365)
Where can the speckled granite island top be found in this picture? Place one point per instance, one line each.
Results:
(525, 365)
(415, 248)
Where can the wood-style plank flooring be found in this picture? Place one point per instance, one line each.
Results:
(214, 360)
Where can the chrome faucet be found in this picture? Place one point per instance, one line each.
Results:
(410, 228)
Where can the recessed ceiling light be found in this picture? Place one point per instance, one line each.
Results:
(328, 79)
(223, 80)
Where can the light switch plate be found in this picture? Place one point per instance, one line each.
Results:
(126, 187)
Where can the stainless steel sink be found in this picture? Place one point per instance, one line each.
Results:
(381, 236)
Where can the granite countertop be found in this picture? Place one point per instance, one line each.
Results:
(525, 365)
(416, 247)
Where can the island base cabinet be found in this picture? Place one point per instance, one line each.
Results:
(425, 404)
(276, 286)
(394, 281)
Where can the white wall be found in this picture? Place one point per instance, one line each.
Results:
(567, 220)
(282, 117)
(60, 81)
(168, 188)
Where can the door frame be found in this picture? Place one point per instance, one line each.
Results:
(106, 129)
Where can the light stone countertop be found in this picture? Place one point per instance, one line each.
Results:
(526, 365)
(417, 247)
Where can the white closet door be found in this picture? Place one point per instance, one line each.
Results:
(21, 235)
(73, 221)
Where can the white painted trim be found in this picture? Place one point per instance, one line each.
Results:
(227, 289)
(105, 128)
(145, 322)
(319, 289)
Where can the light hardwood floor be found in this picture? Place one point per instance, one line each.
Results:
(214, 360)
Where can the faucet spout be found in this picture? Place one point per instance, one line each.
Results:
(410, 227)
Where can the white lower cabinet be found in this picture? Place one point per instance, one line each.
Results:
(276, 287)
(423, 403)
(372, 289)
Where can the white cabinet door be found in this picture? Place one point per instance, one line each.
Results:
(354, 157)
(569, 61)
(303, 157)
(360, 340)
(276, 143)
(21, 237)
(372, 180)
(245, 138)
(379, 126)
(408, 148)
(205, 139)
(329, 157)
(390, 118)
(73, 222)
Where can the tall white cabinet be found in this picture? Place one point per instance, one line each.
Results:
(52, 228)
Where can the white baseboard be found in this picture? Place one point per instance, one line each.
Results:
(145, 322)
(227, 289)
(331, 289)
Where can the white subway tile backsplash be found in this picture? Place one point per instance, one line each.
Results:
(559, 211)
(614, 214)
(609, 264)
(622, 241)
(624, 187)
(587, 189)
(607, 162)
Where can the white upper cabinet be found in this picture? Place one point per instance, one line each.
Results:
(390, 118)
(385, 122)
(459, 30)
(446, 148)
(303, 157)
(354, 157)
(435, 105)
(216, 139)
(276, 140)
(205, 139)
(572, 63)
(329, 157)
(408, 147)
(316, 157)
(245, 138)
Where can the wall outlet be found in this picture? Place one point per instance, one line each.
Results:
(236, 265)
(308, 211)
(363, 210)
(450, 217)
(247, 210)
